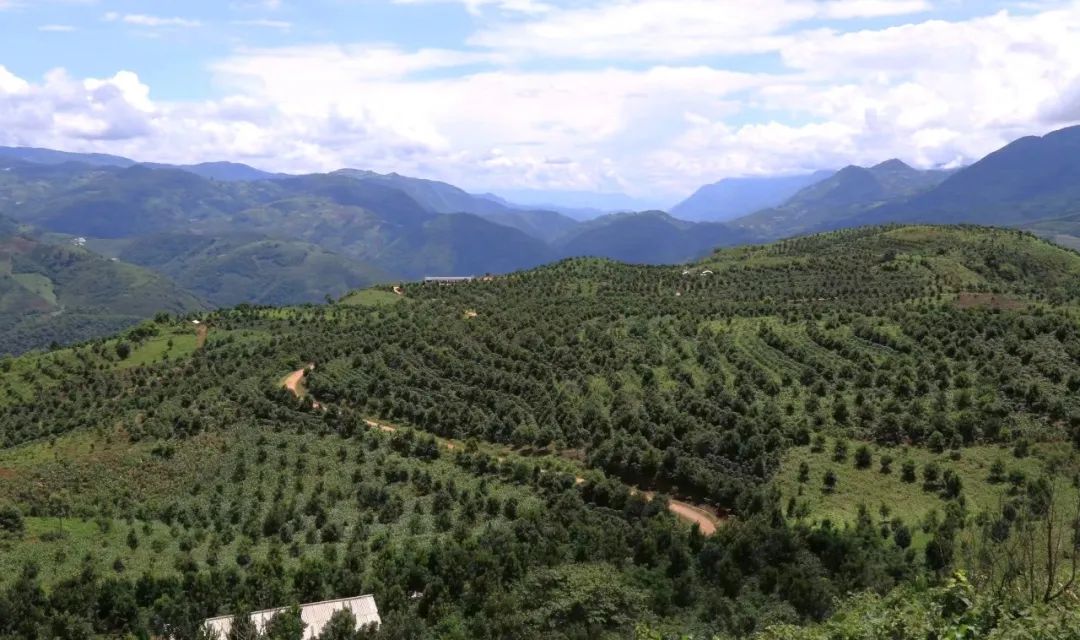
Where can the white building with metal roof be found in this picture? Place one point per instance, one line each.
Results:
(315, 615)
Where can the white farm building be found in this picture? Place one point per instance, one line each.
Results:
(315, 615)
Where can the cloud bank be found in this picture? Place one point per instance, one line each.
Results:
(642, 96)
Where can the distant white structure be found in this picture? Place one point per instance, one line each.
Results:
(706, 272)
(79, 242)
(315, 615)
(448, 279)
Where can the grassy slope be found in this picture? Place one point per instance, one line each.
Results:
(906, 500)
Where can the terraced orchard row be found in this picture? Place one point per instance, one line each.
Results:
(158, 479)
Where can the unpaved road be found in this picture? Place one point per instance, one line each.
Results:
(294, 383)
(201, 332)
(706, 521)
(381, 427)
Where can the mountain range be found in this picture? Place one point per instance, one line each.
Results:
(849, 192)
(220, 234)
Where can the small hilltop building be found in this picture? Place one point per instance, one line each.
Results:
(315, 616)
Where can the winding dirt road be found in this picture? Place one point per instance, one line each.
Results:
(707, 521)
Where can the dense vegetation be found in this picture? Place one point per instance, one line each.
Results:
(153, 480)
(230, 270)
(52, 294)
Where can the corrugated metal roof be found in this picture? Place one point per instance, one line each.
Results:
(315, 615)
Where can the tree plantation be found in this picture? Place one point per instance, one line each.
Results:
(882, 421)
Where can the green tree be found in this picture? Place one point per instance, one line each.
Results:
(11, 520)
(342, 626)
(830, 481)
(243, 628)
(840, 450)
(863, 457)
(286, 625)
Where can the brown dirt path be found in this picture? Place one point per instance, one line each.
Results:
(201, 333)
(706, 520)
(294, 382)
(688, 512)
(381, 427)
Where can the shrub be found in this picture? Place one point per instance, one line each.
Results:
(840, 450)
(11, 520)
(863, 457)
(886, 463)
(830, 481)
(997, 472)
(907, 471)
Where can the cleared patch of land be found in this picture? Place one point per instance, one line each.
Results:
(372, 298)
(907, 500)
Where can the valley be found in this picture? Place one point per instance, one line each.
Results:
(559, 442)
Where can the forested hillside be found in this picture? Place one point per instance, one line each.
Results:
(58, 294)
(510, 458)
(234, 269)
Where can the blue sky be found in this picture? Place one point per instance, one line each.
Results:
(648, 97)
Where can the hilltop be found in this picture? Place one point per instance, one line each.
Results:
(491, 447)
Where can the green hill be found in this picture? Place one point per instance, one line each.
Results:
(54, 293)
(227, 271)
(481, 456)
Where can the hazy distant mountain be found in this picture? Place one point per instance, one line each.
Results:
(224, 171)
(580, 205)
(734, 197)
(440, 197)
(50, 156)
(849, 192)
(651, 237)
(67, 294)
